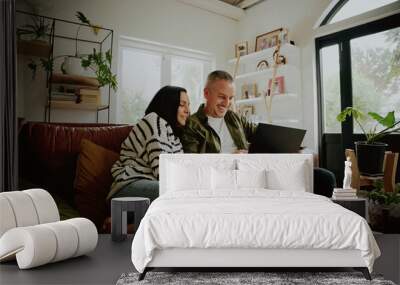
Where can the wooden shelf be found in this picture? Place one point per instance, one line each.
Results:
(70, 105)
(34, 48)
(82, 81)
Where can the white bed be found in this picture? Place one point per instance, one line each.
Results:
(247, 211)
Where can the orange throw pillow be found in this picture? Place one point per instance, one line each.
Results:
(93, 180)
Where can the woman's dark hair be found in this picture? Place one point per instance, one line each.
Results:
(165, 104)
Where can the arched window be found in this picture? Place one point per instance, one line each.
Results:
(344, 9)
(358, 65)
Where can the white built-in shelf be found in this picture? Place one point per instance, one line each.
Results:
(265, 72)
(281, 121)
(286, 49)
(282, 96)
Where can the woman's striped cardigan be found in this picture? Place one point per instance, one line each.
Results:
(140, 151)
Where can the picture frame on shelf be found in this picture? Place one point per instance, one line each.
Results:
(245, 91)
(279, 85)
(246, 110)
(241, 49)
(249, 90)
(271, 39)
(262, 64)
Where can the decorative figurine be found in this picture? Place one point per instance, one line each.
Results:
(347, 174)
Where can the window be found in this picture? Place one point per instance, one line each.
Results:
(330, 78)
(350, 8)
(375, 68)
(358, 64)
(144, 67)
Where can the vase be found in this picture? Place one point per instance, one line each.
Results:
(72, 66)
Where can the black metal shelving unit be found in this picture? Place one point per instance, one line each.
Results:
(52, 36)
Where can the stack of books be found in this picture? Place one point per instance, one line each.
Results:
(344, 194)
(89, 96)
(78, 97)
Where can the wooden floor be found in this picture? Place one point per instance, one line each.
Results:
(110, 259)
(102, 266)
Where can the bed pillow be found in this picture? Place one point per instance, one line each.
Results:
(251, 178)
(293, 180)
(188, 177)
(223, 179)
(280, 174)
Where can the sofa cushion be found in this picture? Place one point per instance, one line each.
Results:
(93, 180)
(48, 152)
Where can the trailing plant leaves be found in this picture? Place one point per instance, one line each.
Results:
(47, 64)
(387, 121)
(32, 66)
(385, 198)
(101, 66)
(81, 17)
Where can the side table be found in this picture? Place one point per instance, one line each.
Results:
(119, 208)
(358, 205)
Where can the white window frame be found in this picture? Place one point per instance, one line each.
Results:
(167, 52)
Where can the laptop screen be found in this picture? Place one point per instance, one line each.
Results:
(276, 139)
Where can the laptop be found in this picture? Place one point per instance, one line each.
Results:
(276, 139)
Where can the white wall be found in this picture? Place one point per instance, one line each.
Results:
(299, 17)
(165, 21)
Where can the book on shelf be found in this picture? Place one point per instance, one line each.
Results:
(63, 96)
(89, 92)
(88, 99)
(73, 105)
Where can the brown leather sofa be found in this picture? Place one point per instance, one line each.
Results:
(48, 154)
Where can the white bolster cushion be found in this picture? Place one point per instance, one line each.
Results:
(40, 244)
(7, 219)
(23, 209)
(26, 208)
(45, 205)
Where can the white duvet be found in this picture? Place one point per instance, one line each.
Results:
(252, 218)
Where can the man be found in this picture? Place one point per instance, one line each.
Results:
(214, 128)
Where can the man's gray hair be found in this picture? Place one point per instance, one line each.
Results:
(218, 75)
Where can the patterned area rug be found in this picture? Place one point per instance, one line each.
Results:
(230, 278)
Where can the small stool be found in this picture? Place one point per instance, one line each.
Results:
(119, 208)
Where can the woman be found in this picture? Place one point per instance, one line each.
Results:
(136, 172)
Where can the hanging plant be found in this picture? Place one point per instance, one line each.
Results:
(101, 64)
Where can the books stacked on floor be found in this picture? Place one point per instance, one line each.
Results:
(344, 194)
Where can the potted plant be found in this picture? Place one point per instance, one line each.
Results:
(101, 64)
(37, 31)
(72, 63)
(384, 209)
(96, 64)
(33, 38)
(370, 153)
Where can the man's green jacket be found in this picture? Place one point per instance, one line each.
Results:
(199, 137)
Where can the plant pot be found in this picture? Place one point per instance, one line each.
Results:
(370, 158)
(72, 66)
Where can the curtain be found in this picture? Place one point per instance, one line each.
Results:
(8, 118)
